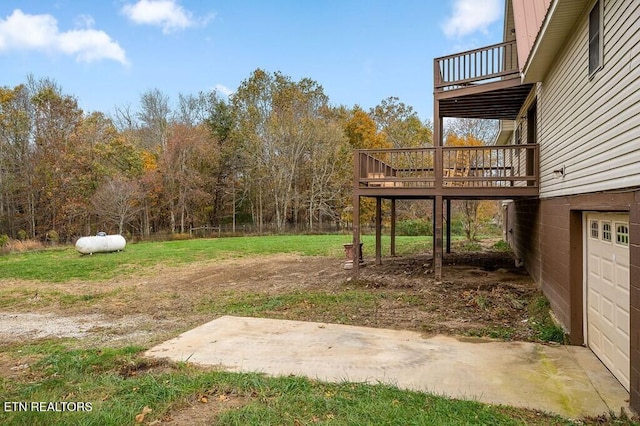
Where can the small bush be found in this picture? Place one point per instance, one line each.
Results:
(501, 246)
(414, 228)
(53, 237)
(4, 240)
(22, 235)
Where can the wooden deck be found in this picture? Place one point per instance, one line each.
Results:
(451, 172)
(482, 83)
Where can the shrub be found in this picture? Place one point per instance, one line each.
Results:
(414, 227)
(502, 246)
(53, 237)
(22, 235)
(4, 240)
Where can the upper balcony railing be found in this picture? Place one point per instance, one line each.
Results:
(491, 63)
(469, 169)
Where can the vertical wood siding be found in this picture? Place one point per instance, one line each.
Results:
(592, 126)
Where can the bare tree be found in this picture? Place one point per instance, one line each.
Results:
(117, 201)
(154, 117)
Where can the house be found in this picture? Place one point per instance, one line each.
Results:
(565, 84)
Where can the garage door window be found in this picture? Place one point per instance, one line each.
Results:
(622, 234)
(595, 227)
(606, 231)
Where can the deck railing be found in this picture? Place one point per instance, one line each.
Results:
(441, 167)
(476, 66)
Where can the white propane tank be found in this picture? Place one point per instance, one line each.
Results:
(100, 243)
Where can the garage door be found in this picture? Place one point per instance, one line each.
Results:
(607, 293)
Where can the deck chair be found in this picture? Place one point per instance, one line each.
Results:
(460, 168)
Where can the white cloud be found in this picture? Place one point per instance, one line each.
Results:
(223, 89)
(167, 14)
(470, 16)
(21, 31)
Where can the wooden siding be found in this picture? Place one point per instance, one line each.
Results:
(591, 126)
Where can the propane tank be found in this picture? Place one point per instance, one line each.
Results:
(101, 243)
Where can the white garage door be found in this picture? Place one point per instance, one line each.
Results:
(607, 293)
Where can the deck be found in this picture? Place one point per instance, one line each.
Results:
(452, 172)
(482, 83)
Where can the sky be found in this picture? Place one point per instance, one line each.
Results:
(108, 53)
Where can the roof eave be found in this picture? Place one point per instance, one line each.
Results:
(560, 19)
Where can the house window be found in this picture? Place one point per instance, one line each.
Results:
(595, 226)
(606, 231)
(595, 38)
(622, 234)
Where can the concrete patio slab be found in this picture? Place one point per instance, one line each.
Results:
(565, 380)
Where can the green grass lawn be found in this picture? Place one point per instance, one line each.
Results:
(65, 263)
(119, 384)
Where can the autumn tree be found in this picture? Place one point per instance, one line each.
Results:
(185, 161)
(278, 122)
(473, 213)
(17, 202)
(401, 124)
(59, 160)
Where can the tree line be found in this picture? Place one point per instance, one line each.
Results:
(276, 155)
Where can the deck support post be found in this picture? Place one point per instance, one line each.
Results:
(437, 233)
(356, 215)
(378, 231)
(356, 236)
(448, 225)
(438, 123)
(393, 227)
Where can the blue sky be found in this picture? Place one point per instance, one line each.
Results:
(107, 53)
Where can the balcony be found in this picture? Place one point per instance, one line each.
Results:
(480, 83)
(452, 172)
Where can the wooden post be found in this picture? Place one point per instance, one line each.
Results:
(437, 203)
(356, 215)
(378, 231)
(448, 225)
(437, 232)
(393, 227)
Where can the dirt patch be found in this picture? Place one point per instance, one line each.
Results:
(204, 409)
(478, 291)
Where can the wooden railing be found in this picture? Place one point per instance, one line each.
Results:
(476, 66)
(447, 167)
